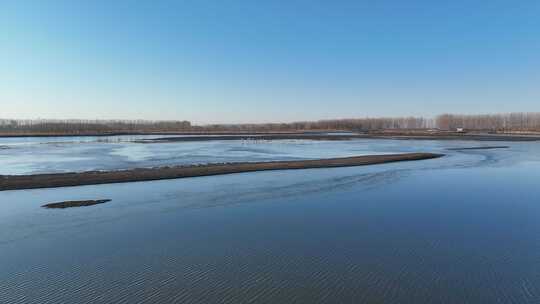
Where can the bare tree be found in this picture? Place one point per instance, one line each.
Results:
(509, 122)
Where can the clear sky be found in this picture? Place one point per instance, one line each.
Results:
(259, 61)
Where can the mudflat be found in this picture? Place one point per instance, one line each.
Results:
(16, 182)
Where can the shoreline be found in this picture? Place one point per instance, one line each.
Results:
(137, 133)
(54, 180)
(304, 135)
(340, 137)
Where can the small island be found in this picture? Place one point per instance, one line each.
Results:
(71, 204)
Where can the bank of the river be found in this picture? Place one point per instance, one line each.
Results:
(327, 136)
(313, 135)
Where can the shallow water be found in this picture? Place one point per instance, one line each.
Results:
(460, 229)
(68, 154)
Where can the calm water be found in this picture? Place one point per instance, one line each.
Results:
(461, 229)
(65, 154)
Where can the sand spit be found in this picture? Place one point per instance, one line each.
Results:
(16, 182)
(71, 204)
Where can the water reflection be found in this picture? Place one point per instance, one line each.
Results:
(460, 229)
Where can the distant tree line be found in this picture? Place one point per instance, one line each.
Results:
(360, 124)
(509, 122)
(78, 126)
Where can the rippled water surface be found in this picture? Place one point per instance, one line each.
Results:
(460, 229)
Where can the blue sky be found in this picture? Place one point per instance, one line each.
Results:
(258, 61)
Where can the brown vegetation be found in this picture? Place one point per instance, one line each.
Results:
(88, 127)
(495, 122)
(505, 123)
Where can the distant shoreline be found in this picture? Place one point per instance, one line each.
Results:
(101, 134)
(19, 182)
(396, 136)
(304, 135)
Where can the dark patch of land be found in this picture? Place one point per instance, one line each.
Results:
(456, 136)
(404, 134)
(16, 182)
(105, 134)
(479, 148)
(250, 136)
(71, 204)
(326, 136)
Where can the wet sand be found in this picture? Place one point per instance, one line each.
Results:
(17, 182)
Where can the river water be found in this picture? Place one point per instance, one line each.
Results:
(464, 228)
